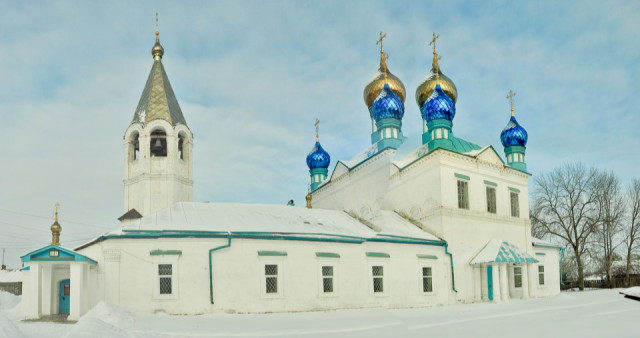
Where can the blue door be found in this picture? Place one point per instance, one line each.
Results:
(65, 296)
(490, 281)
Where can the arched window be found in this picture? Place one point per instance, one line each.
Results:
(180, 146)
(134, 147)
(158, 145)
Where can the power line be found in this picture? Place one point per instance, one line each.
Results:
(49, 218)
(40, 230)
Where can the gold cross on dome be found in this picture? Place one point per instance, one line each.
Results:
(317, 124)
(433, 42)
(510, 97)
(382, 36)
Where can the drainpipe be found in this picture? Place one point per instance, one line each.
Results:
(561, 257)
(453, 280)
(210, 265)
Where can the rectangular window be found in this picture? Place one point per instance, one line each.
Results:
(517, 276)
(165, 274)
(271, 278)
(541, 274)
(327, 279)
(491, 200)
(427, 280)
(463, 194)
(378, 278)
(515, 205)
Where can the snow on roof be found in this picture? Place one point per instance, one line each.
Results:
(390, 223)
(476, 152)
(499, 251)
(361, 156)
(459, 145)
(7, 276)
(232, 217)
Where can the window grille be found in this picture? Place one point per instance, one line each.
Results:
(165, 272)
(327, 279)
(427, 280)
(517, 276)
(491, 200)
(378, 278)
(271, 278)
(463, 194)
(541, 274)
(515, 206)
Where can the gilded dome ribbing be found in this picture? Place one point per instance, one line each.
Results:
(375, 85)
(428, 84)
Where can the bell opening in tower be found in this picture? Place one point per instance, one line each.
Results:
(134, 147)
(180, 145)
(158, 144)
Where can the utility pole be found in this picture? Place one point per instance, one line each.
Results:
(4, 267)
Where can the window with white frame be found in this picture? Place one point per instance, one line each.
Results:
(427, 279)
(515, 205)
(377, 273)
(327, 279)
(491, 199)
(463, 194)
(517, 276)
(271, 278)
(540, 274)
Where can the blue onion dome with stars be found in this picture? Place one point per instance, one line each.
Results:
(438, 106)
(318, 157)
(387, 105)
(513, 134)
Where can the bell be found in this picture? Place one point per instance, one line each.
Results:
(157, 146)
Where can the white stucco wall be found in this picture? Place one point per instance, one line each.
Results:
(238, 275)
(551, 262)
(426, 191)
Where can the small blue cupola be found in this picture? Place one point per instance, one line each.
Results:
(438, 112)
(318, 162)
(387, 111)
(514, 140)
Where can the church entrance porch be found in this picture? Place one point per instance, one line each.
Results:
(501, 272)
(58, 282)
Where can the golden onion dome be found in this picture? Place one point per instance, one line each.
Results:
(374, 87)
(55, 227)
(157, 49)
(427, 86)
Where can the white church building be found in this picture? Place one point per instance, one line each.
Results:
(420, 222)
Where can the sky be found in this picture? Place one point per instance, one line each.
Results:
(252, 77)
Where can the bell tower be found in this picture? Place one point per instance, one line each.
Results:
(158, 144)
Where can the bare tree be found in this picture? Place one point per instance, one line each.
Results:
(632, 236)
(537, 230)
(568, 208)
(611, 209)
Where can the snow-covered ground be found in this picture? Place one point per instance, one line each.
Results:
(597, 313)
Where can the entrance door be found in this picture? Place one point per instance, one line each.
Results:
(65, 296)
(490, 281)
